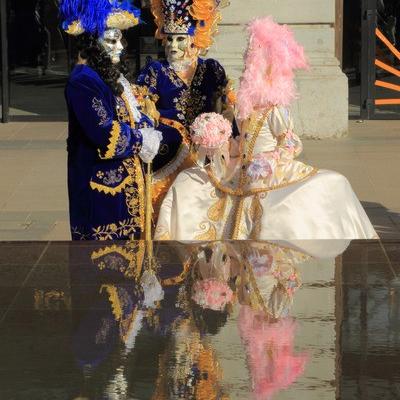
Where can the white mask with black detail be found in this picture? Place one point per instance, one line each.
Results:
(111, 41)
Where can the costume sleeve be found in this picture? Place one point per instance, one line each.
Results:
(281, 125)
(280, 121)
(149, 77)
(96, 115)
(221, 80)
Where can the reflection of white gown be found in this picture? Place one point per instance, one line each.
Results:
(295, 201)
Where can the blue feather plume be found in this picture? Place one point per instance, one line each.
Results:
(93, 14)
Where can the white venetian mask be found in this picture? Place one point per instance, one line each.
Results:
(179, 51)
(111, 41)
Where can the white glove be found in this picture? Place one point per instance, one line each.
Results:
(151, 140)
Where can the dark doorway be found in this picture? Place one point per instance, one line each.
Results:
(38, 60)
(40, 56)
(351, 61)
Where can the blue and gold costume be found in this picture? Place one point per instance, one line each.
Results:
(179, 104)
(105, 178)
(106, 136)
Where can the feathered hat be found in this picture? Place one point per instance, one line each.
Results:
(271, 58)
(197, 18)
(95, 16)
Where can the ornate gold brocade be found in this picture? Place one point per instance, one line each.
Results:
(209, 234)
(147, 102)
(217, 210)
(135, 192)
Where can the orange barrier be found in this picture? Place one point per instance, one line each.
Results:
(383, 102)
(389, 45)
(387, 85)
(387, 68)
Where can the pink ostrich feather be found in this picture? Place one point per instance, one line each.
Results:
(271, 58)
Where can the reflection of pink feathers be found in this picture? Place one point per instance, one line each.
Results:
(272, 56)
(269, 348)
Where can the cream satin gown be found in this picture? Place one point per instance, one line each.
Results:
(296, 202)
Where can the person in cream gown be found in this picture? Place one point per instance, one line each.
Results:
(257, 189)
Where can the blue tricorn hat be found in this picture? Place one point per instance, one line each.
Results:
(95, 16)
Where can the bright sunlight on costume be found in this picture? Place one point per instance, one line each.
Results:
(262, 192)
(108, 126)
(185, 84)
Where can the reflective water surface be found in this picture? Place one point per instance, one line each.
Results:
(232, 320)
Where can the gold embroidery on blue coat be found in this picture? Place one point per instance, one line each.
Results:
(118, 230)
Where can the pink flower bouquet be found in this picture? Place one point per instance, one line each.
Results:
(210, 131)
(212, 294)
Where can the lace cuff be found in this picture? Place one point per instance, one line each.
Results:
(150, 145)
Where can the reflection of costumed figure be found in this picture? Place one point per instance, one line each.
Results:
(114, 294)
(108, 126)
(189, 368)
(263, 192)
(266, 287)
(185, 84)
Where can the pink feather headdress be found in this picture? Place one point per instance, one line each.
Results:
(270, 60)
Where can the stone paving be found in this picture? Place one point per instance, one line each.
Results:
(33, 191)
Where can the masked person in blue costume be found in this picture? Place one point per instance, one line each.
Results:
(186, 84)
(111, 131)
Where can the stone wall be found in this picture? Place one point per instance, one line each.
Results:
(322, 110)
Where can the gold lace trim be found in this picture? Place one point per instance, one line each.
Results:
(239, 211)
(179, 127)
(135, 256)
(249, 192)
(111, 190)
(111, 249)
(114, 300)
(112, 145)
(178, 279)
